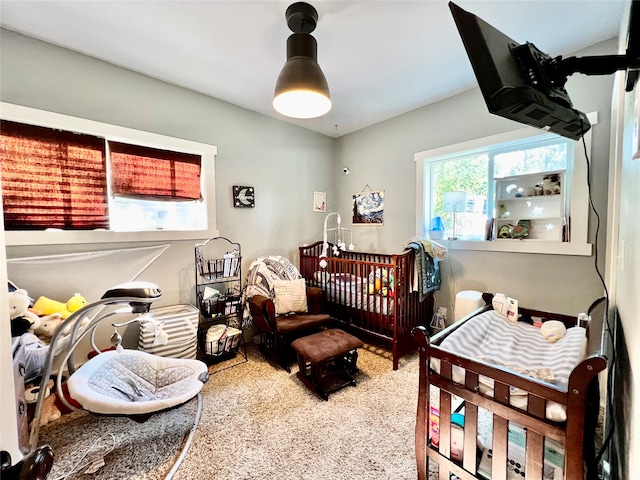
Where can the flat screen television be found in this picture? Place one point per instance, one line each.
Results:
(522, 83)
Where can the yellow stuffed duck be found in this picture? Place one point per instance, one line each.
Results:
(47, 306)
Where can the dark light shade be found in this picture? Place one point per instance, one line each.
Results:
(301, 89)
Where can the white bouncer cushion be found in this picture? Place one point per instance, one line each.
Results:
(99, 384)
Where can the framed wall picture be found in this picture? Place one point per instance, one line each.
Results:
(243, 197)
(319, 202)
(368, 208)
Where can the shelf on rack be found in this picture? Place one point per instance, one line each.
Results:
(218, 294)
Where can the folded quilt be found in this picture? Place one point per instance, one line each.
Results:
(427, 271)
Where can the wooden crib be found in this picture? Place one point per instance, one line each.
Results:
(576, 435)
(372, 293)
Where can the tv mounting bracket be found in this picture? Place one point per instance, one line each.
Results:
(555, 71)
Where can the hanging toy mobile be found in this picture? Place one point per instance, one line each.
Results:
(338, 243)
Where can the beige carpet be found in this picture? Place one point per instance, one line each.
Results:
(260, 422)
(129, 450)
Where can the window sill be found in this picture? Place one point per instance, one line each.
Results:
(520, 246)
(18, 238)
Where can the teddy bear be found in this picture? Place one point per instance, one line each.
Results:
(23, 320)
(47, 306)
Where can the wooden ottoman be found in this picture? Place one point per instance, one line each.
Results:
(327, 360)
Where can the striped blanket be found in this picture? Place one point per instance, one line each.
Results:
(520, 347)
(262, 273)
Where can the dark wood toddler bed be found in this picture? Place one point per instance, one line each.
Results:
(370, 292)
(579, 399)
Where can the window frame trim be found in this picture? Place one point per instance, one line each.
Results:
(109, 132)
(579, 213)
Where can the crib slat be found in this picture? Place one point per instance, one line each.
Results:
(501, 393)
(536, 406)
(499, 449)
(534, 461)
(500, 435)
(443, 474)
(445, 414)
(470, 436)
(470, 425)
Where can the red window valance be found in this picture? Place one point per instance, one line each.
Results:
(52, 178)
(153, 173)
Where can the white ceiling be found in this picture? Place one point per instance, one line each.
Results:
(381, 58)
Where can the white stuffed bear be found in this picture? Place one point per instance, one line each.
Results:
(22, 320)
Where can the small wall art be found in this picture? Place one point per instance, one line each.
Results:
(319, 202)
(243, 197)
(368, 208)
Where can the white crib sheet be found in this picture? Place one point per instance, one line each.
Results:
(354, 292)
(518, 346)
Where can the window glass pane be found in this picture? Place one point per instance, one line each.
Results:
(133, 214)
(531, 160)
(463, 174)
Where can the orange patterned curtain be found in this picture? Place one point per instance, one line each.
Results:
(153, 173)
(52, 178)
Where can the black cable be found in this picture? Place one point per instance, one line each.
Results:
(609, 330)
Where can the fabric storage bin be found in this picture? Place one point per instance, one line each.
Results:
(170, 331)
(221, 339)
(223, 305)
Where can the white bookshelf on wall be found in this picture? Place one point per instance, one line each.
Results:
(532, 207)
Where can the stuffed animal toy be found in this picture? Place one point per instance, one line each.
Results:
(48, 328)
(553, 330)
(47, 306)
(381, 282)
(551, 184)
(23, 320)
(51, 323)
(505, 306)
(50, 410)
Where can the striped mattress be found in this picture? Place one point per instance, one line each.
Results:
(520, 347)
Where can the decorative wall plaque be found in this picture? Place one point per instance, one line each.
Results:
(243, 197)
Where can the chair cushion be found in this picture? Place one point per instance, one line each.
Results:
(98, 384)
(297, 322)
(327, 344)
(291, 296)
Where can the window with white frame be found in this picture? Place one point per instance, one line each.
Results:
(470, 171)
(67, 174)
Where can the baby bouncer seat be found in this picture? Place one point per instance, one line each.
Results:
(121, 381)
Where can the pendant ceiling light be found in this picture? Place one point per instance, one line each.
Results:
(301, 89)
